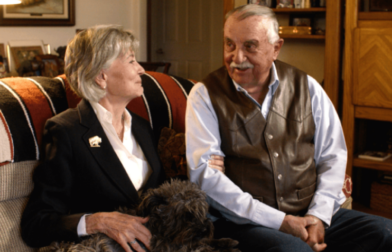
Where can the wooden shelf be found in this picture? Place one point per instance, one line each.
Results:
(375, 165)
(332, 14)
(298, 10)
(301, 36)
(374, 15)
(371, 113)
(359, 207)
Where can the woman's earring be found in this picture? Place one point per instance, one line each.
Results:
(104, 87)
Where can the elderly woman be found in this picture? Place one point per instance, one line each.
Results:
(98, 156)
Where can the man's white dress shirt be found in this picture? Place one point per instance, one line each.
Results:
(203, 140)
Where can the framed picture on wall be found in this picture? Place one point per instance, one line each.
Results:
(39, 13)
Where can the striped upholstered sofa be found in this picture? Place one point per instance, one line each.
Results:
(25, 105)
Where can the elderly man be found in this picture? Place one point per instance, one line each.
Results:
(284, 149)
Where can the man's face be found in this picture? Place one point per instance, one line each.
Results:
(247, 53)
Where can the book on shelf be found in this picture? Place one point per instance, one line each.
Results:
(386, 179)
(375, 155)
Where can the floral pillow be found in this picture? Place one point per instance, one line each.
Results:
(171, 150)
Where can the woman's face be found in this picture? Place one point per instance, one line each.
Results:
(123, 78)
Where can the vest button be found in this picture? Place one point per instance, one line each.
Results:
(280, 176)
(276, 154)
(281, 199)
(270, 136)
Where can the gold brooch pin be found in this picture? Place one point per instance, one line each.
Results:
(95, 141)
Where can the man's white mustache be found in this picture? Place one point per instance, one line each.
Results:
(245, 64)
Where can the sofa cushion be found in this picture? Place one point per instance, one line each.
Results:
(10, 214)
(163, 103)
(16, 180)
(25, 105)
(171, 150)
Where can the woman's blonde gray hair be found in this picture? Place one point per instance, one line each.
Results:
(270, 22)
(89, 52)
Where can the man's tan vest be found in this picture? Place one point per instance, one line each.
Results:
(271, 159)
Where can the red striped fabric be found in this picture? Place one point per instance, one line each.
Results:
(27, 104)
(36, 103)
(72, 98)
(7, 130)
(173, 90)
(176, 97)
(138, 107)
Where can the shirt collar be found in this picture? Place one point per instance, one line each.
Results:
(272, 86)
(104, 116)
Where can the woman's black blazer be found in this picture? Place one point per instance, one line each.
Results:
(75, 178)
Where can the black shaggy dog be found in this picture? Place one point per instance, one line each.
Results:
(178, 223)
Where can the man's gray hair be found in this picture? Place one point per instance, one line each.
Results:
(270, 22)
(89, 52)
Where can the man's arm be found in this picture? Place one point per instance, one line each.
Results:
(330, 156)
(203, 140)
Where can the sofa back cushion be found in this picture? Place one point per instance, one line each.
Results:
(163, 103)
(26, 104)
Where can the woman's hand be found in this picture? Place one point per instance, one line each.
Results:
(122, 228)
(217, 162)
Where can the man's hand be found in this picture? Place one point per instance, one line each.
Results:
(122, 228)
(316, 235)
(217, 162)
(297, 226)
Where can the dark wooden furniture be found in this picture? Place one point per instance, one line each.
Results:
(367, 98)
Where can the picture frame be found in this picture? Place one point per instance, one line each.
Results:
(4, 69)
(51, 65)
(2, 50)
(301, 21)
(23, 53)
(19, 51)
(267, 3)
(45, 13)
(284, 3)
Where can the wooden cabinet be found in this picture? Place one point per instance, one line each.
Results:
(367, 98)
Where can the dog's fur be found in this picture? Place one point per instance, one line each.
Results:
(177, 221)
